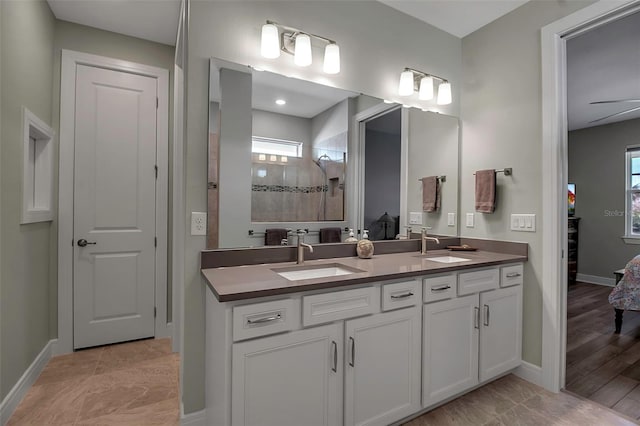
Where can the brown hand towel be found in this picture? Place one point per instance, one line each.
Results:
(330, 235)
(274, 236)
(486, 191)
(430, 194)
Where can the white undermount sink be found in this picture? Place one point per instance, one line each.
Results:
(447, 259)
(304, 272)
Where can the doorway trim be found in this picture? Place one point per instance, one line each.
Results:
(70, 59)
(359, 122)
(554, 177)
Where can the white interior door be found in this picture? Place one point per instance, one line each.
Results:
(114, 206)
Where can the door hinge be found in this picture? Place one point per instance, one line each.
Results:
(155, 312)
(156, 168)
(157, 103)
(155, 241)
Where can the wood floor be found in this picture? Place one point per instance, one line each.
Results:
(602, 366)
(133, 383)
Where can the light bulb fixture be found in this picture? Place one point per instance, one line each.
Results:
(412, 80)
(302, 55)
(298, 43)
(406, 83)
(426, 88)
(281, 102)
(331, 59)
(444, 93)
(270, 42)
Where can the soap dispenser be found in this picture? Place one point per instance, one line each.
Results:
(351, 238)
(365, 246)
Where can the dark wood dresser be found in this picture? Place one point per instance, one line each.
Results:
(572, 255)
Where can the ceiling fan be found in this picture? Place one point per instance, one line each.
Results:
(631, 101)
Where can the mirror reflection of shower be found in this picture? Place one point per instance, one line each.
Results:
(322, 208)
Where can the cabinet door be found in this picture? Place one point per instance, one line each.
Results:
(501, 331)
(289, 379)
(382, 367)
(450, 354)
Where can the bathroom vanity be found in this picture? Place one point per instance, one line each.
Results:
(348, 341)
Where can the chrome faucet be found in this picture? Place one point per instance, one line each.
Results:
(301, 246)
(424, 240)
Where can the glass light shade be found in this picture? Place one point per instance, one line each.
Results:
(426, 89)
(331, 59)
(302, 54)
(444, 94)
(270, 45)
(406, 84)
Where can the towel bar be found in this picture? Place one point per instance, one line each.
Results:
(508, 171)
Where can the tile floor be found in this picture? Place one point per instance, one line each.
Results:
(133, 383)
(136, 384)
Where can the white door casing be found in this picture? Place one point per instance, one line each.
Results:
(66, 244)
(114, 206)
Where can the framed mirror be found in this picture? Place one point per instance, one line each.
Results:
(292, 154)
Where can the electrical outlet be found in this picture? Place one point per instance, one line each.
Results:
(198, 223)
(470, 217)
(451, 219)
(415, 218)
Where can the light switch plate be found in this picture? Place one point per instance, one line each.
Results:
(451, 219)
(415, 218)
(198, 223)
(470, 218)
(523, 222)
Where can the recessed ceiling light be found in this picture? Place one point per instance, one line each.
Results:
(280, 101)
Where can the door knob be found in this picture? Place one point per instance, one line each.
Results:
(83, 243)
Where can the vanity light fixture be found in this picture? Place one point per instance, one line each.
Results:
(277, 37)
(412, 80)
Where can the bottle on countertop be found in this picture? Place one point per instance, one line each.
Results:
(351, 238)
(365, 246)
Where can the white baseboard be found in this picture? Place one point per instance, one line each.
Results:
(198, 418)
(530, 373)
(20, 389)
(594, 279)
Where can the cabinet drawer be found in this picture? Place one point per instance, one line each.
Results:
(261, 319)
(439, 287)
(511, 275)
(339, 305)
(478, 280)
(400, 294)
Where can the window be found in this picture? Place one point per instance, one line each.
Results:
(632, 212)
(280, 147)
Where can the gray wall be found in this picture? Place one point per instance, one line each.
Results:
(502, 127)
(433, 150)
(381, 178)
(360, 28)
(27, 281)
(597, 167)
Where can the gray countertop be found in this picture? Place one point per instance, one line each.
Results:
(252, 281)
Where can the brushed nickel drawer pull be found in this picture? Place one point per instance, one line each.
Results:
(486, 315)
(353, 352)
(335, 356)
(476, 319)
(263, 320)
(443, 288)
(401, 296)
(513, 274)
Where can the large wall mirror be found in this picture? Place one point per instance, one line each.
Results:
(292, 154)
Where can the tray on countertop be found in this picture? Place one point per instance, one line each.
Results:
(462, 248)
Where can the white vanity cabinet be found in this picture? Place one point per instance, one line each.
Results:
(474, 337)
(382, 367)
(289, 379)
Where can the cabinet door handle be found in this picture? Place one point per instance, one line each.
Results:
(264, 320)
(401, 296)
(353, 352)
(476, 321)
(513, 274)
(486, 315)
(443, 288)
(335, 356)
